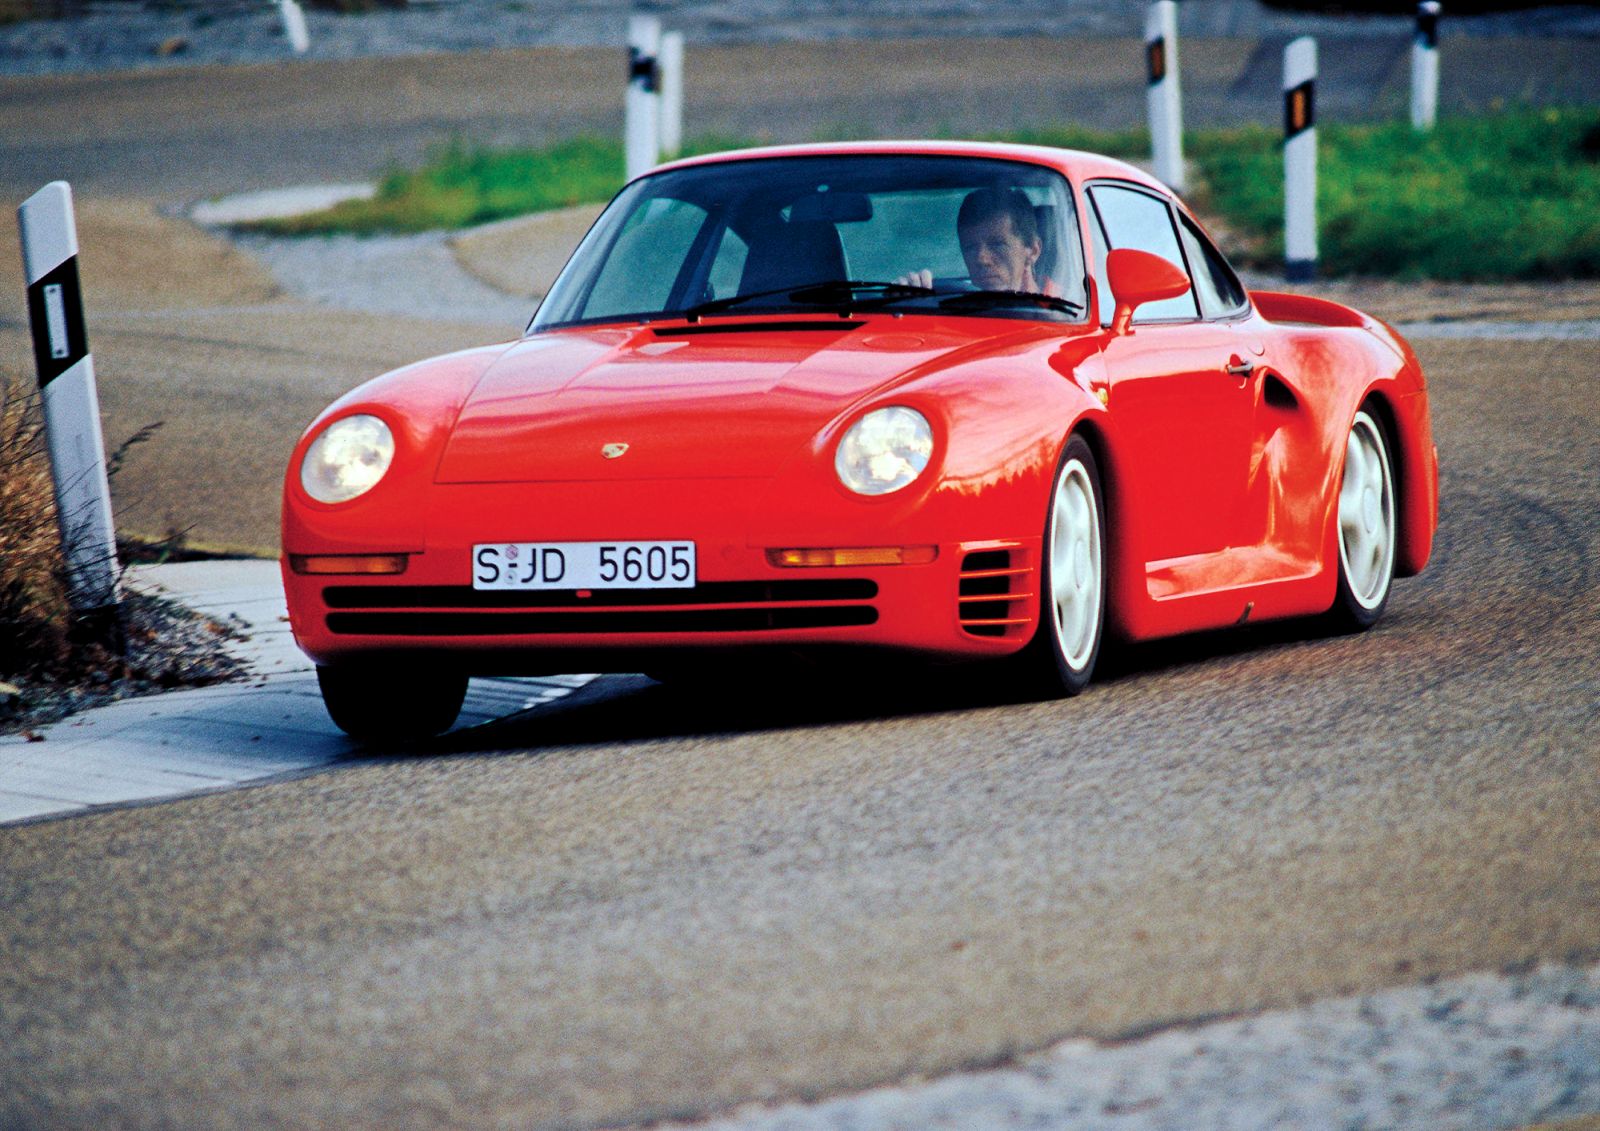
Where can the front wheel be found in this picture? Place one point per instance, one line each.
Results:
(1072, 596)
(1368, 528)
(391, 702)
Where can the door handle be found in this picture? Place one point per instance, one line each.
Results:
(1241, 368)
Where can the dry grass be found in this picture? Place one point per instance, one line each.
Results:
(34, 616)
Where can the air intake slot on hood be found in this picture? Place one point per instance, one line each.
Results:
(836, 325)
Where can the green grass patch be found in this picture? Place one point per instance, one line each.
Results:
(461, 185)
(1513, 196)
(1504, 197)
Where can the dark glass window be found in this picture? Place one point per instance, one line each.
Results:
(1218, 288)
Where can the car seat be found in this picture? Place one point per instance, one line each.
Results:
(793, 253)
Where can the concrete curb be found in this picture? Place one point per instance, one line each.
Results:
(196, 741)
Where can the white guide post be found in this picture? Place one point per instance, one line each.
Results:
(1300, 160)
(1425, 66)
(67, 393)
(294, 26)
(1162, 92)
(671, 93)
(642, 133)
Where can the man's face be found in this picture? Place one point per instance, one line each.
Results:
(997, 258)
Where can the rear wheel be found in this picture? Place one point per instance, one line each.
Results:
(391, 702)
(1368, 528)
(1072, 596)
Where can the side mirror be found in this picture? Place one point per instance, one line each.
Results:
(1137, 277)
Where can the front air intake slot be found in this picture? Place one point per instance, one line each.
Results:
(712, 606)
(599, 621)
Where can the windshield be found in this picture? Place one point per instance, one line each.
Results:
(961, 235)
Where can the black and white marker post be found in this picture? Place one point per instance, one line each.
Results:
(671, 63)
(67, 393)
(642, 133)
(1162, 92)
(1425, 66)
(1300, 160)
(294, 26)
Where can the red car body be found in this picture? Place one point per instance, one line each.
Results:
(1220, 443)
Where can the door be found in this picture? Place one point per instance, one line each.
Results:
(1180, 394)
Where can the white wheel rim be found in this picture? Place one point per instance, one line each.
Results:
(1075, 573)
(1366, 514)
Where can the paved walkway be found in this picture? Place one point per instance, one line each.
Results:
(195, 741)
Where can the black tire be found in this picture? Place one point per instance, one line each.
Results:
(391, 703)
(1071, 628)
(1368, 521)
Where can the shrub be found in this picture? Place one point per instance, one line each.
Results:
(33, 603)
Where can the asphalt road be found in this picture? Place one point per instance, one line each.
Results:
(659, 900)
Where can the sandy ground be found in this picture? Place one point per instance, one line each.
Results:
(193, 335)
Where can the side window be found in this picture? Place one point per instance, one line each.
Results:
(644, 262)
(1140, 221)
(1217, 287)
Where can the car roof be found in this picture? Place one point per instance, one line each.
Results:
(1079, 165)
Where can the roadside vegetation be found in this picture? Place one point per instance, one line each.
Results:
(52, 661)
(1507, 196)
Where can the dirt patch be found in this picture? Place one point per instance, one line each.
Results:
(134, 258)
(522, 257)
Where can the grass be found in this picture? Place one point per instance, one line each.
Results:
(1513, 196)
(461, 185)
(1508, 196)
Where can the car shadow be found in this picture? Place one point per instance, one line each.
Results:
(632, 708)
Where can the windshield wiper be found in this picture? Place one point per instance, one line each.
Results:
(979, 300)
(842, 293)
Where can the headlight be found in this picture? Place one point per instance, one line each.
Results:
(884, 451)
(347, 459)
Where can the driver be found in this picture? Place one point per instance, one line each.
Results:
(999, 241)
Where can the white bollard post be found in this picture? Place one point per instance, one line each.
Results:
(1300, 160)
(671, 93)
(67, 392)
(294, 26)
(642, 132)
(1425, 66)
(1162, 92)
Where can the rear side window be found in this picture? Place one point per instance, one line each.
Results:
(1218, 288)
(1133, 219)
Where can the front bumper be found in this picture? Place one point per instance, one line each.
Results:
(975, 599)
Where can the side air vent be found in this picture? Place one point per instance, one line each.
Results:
(1277, 394)
(994, 593)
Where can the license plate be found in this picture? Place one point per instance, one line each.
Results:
(583, 565)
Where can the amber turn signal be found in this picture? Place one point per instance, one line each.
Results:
(855, 556)
(347, 563)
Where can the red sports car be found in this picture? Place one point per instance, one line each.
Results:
(950, 399)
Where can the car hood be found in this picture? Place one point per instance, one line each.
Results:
(710, 400)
